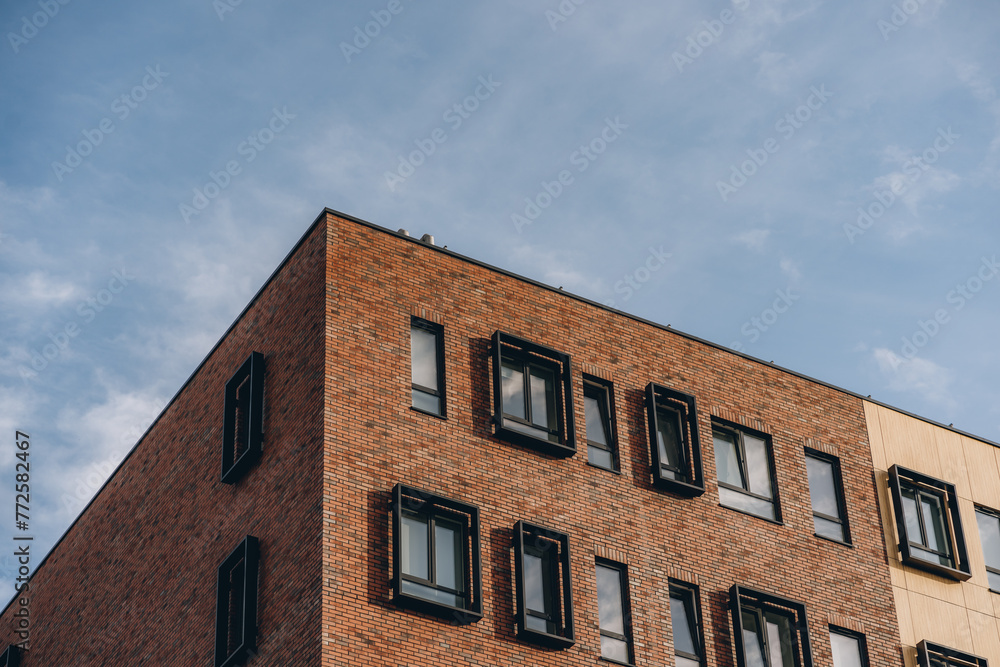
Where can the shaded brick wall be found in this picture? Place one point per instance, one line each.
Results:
(376, 281)
(134, 580)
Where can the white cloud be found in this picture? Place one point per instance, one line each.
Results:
(753, 239)
(919, 376)
(791, 270)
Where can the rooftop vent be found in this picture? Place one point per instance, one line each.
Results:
(428, 238)
(404, 232)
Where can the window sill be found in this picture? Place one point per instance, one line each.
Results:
(756, 516)
(934, 568)
(455, 614)
(830, 539)
(543, 445)
(428, 413)
(686, 489)
(545, 639)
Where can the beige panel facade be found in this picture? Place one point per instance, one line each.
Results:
(962, 615)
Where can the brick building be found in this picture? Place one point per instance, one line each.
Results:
(401, 456)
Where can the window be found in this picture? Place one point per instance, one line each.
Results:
(236, 608)
(243, 422)
(770, 631)
(673, 440)
(928, 524)
(933, 655)
(427, 366)
(989, 535)
(746, 478)
(848, 648)
(436, 566)
(686, 624)
(600, 431)
(826, 489)
(613, 612)
(542, 586)
(532, 395)
(11, 657)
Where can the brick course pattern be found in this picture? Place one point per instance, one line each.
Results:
(377, 280)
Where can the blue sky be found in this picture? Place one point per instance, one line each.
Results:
(815, 183)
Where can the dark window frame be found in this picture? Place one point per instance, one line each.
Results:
(987, 511)
(536, 540)
(741, 597)
(838, 486)
(685, 408)
(438, 331)
(11, 657)
(605, 388)
(247, 553)
(410, 499)
(945, 493)
(689, 592)
(626, 603)
(926, 651)
(860, 637)
(250, 427)
(526, 353)
(739, 430)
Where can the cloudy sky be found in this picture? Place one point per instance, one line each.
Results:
(813, 183)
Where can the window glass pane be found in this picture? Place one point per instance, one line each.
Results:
(543, 398)
(539, 624)
(989, 535)
(727, 461)
(426, 402)
(994, 578)
(911, 516)
(433, 594)
(614, 649)
(687, 662)
(680, 611)
(827, 528)
(779, 640)
(596, 428)
(822, 489)
(741, 501)
(413, 538)
(668, 439)
(937, 536)
(758, 470)
(609, 600)
(447, 555)
(600, 457)
(534, 583)
(423, 349)
(512, 388)
(846, 651)
(753, 640)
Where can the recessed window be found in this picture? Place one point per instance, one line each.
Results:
(532, 395)
(675, 450)
(989, 535)
(613, 613)
(826, 490)
(770, 631)
(427, 366)
(929, 524)
(743, 465)
(436, 567)
(601, 450)
(236, 608)
(11, 657)
(542, 586)
(935, 655)
(686, 622)
(243, 421)
(848, 648)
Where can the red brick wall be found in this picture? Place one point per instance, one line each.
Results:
(134, 580)
(373, 440)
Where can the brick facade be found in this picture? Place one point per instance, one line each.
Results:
(339, 436)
